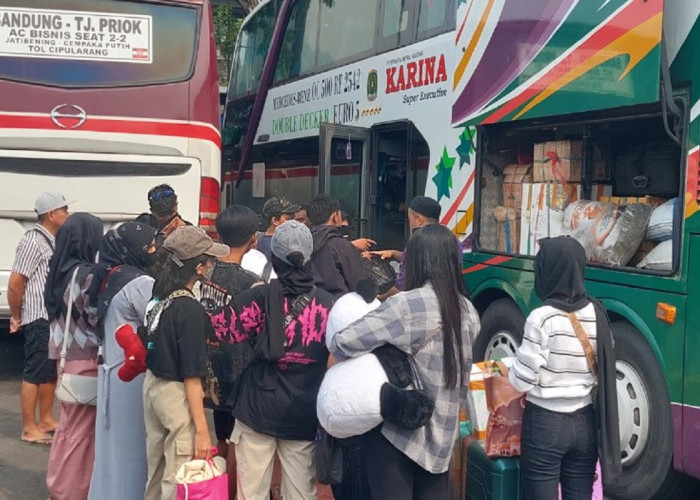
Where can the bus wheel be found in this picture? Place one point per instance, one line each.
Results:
(501, 331)
(646, 436)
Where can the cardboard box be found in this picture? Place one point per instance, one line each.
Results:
(631, 200)
(599, 191)
(557, 161)
(545, 216)
(508, 220)
(525, 239)
(513, 178)
(476, 401)
(600, 172)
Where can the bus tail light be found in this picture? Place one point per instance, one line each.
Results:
(209, 205)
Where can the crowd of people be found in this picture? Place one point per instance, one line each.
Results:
(277, 288)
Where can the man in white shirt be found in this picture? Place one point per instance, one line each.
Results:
(25, 295)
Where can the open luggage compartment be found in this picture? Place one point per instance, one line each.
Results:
(613, 183)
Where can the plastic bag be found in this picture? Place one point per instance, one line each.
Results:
(506, 406)
(660, 226)
(660, 258)
(328, 458)
(609, 233)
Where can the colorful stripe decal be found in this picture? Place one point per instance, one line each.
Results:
(171, 128)
(448, 216)
(469, 51)
(490, 262)
(637, 43)
(460, 228)
(623, 34)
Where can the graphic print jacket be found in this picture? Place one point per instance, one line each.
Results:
(279, 399)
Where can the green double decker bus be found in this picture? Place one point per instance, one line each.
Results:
(602, 98)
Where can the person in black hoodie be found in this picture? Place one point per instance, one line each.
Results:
(337, 265)
(275, 405)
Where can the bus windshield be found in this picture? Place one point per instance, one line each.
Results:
(83, 43)
(251, 51)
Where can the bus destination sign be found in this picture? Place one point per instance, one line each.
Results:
(68, 34)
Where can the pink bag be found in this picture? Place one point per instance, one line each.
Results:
(215, 488)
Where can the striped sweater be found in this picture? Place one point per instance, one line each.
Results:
(550, 364)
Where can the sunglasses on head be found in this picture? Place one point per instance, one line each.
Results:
(158, 195)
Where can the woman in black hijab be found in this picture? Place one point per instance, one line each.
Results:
(120, 449)
(72, 269)
(560, 433)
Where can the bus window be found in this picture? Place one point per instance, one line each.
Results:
(433, 17)
(344, 34)
(396, 24)
(251, 51)
(167, 32)
(298, 54)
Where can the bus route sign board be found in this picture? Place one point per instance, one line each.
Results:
(70, 34)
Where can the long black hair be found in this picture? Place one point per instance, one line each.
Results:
(432, 255)
(173, 277)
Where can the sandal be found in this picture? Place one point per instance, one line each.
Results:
(43, 440)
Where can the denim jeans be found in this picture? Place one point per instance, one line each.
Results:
(558, 448)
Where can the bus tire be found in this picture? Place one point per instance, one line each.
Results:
(501, 330)
(646, 436)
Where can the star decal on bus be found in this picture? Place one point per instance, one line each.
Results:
(466, 146)
(443, 178)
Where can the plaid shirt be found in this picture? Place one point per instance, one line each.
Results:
(411, 322)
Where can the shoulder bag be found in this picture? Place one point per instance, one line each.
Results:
(585, 343)
(72, 388)
(593, 367)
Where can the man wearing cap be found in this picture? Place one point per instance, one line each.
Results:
(275, 408)
(422, 211)
(275, 211)
(25, 295)
(164, 216)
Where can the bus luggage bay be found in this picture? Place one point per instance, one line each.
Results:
(102, 101)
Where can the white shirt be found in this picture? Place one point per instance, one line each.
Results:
(550, 364)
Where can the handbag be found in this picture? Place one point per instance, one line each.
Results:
(505, 421)
(72, 388)
(328, 458)
(201, 480)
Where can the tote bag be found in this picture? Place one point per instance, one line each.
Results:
(201, 480)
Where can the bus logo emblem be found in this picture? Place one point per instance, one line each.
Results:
(372, 85)
(68, 116)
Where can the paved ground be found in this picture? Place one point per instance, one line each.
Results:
(22, 466)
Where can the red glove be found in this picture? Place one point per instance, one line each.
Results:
(134, 353)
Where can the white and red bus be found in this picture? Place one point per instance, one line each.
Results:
(102, 101)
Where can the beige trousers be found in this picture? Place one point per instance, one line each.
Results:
(169, 434)
(255, 453)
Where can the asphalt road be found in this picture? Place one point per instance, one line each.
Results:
(22, 466)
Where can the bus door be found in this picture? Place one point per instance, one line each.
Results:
(344, 166)
(401, 158)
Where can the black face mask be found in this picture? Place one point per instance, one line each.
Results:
(345, 231)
